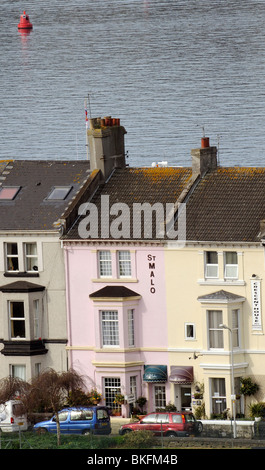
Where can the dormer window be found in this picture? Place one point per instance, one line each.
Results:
(8, 193)
(59, 193)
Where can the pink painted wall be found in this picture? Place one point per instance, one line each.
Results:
(150, 311)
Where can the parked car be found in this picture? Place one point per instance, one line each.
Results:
(78, 420)
(10, 418)
(168, 423)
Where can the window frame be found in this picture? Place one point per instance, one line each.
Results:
(216, 395)
(217, 329)
(124, 262)
(16, 190)
(187, 337)
(67, 189)
(131, 327)
(12, 370)
(28, 257)
(212, 265)
(110, 329)
(236, 328)
(9, 256)
(103, 263)
(228, 266)
(16, 319)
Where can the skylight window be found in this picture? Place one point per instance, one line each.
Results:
(59, 193)
(9, 193)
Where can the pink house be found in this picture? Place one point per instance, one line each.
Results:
(115, 277)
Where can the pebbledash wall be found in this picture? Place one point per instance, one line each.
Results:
(117, 324)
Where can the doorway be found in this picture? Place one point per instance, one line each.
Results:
(185, 398)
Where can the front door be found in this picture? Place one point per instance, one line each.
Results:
(185, 398)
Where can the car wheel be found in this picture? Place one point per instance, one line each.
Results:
(126, 431)
(171, 434)
(42, 431)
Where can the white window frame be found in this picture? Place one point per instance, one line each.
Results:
(9, 256)
(112, 387)
(131, 336)
(236, 328)
(29, 257)
(104, 264)
(16, 319)
(214, 332)
(211, 269)
(230, 269)
(216, 396)
(36, 318)
(124, 264)
(110, 337)
(18, 371)
(189, 325)
(159, 396)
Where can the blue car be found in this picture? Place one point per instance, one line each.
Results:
(78, 420)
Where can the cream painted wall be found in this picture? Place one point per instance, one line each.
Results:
(185, 282)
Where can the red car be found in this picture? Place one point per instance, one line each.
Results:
(179, 423)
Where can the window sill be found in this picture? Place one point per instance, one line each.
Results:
(111, 279)
(221, 282)
(20, 274)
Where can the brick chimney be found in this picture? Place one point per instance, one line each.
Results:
(204, 159)
(106, 145)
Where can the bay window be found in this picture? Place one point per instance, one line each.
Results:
(215, 332)
(17, 320)
(110, 328)
(130, 327)
(218, 393)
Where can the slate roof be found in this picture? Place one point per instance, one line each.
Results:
(114, 292)
(139, 185)
(30, 209)
(21, 286)
(227, 205)
(221, 296)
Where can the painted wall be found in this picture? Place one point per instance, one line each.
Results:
(52, 316)
(186, 282)
(86, 353)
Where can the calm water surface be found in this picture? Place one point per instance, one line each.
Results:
(166, 68)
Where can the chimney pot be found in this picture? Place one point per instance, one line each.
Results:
(205, 142)
(106, 145)
(204, 159)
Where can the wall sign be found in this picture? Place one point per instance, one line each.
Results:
(152, 267)
(256, 307)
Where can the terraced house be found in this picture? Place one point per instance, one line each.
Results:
(148, 281)
(215, 298)
(36, 199)
(149, 316)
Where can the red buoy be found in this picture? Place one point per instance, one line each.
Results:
(24, 22)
